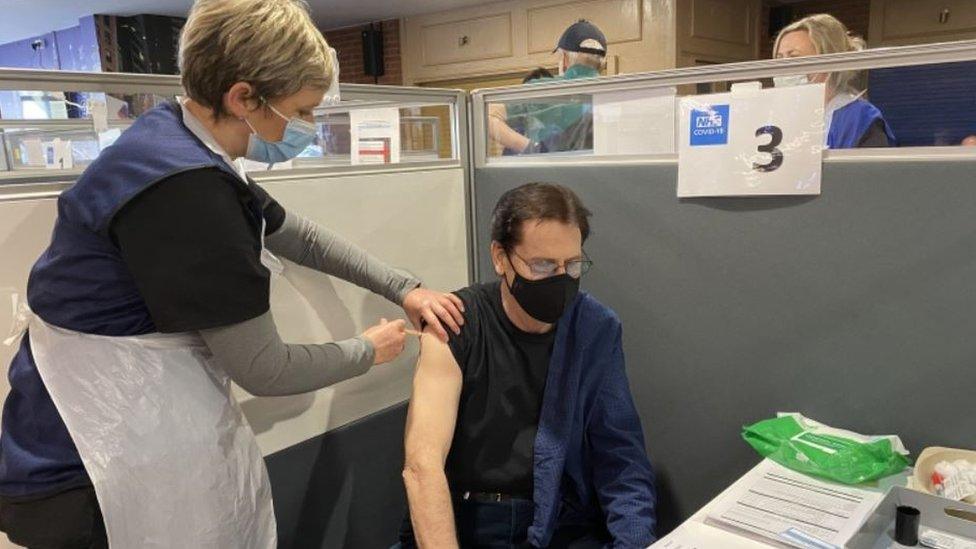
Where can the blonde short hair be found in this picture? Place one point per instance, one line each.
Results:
(828, 35)
(271, 44)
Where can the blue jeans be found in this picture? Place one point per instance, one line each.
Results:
(497, 525)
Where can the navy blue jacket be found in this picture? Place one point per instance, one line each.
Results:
(589, 443)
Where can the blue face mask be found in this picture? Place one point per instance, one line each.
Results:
(298, 135)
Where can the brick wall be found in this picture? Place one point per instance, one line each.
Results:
(853, 13)
(348, 43)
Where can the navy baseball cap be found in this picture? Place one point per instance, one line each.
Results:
(584, 37)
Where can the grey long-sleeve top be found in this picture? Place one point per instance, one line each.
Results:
(252, 352)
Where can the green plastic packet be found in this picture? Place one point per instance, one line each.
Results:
(813, 448)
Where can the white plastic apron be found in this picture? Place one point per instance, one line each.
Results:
(169, 452)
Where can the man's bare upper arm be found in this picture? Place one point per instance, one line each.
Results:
(498, 110)
(434, 404)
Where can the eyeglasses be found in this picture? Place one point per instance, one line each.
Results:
(544, 268)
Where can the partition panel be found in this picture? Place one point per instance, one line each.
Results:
(413, 221)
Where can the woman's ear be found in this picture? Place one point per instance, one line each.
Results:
(239, 100)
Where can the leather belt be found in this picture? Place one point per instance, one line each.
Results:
(485, 497)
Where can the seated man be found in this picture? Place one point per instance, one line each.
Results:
(522, 430)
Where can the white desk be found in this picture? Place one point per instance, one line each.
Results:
(699, 533)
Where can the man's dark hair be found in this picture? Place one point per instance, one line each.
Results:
(537, 74)
(539, 202)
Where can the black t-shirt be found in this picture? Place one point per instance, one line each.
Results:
(875, 136)
(504, 372)
(194, 250)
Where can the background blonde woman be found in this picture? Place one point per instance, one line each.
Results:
(120, 426)
(851, 120)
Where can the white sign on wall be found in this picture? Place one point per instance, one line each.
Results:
(374, 136)
(57, 154)
(752, 141)
(98, 110)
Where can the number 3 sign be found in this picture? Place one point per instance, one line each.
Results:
(752, 142)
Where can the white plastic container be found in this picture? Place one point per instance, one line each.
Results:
(926, 462)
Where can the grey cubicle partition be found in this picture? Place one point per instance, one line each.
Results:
(856, 308)
(342, 488)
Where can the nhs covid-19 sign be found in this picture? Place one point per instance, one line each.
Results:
(751, 141)
(710, 126)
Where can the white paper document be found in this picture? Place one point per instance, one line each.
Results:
(98, 111)
(57, 154)
(634, 122)
(375, 136)
(794, 509)
(697, 535)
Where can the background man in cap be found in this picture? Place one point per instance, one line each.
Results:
(552, 127)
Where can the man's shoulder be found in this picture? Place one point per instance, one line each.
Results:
(478, 304)
(478, 296)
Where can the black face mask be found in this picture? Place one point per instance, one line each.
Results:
(545, 300)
